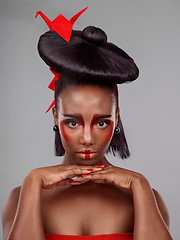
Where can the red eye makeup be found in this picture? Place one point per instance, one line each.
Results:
(77, 119)
(97, 117)
(108, 133)
(65, 122)
(64, 133)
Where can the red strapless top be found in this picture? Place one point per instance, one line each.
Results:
(115, 236)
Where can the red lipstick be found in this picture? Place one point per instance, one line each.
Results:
(87, 154)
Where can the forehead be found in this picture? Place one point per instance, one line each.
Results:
(86, 99)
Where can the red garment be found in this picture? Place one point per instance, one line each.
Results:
(116, 236)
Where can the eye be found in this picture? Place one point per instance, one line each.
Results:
(103, 124)
(71, 123)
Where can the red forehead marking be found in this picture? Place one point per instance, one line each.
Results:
(79, 117)
(94, 119)
(81, 120)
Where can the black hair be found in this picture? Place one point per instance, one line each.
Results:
(88, 59)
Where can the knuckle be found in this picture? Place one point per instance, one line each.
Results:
(109, 167)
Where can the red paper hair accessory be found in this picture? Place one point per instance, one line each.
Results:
(63, 27)
(60, 24)
(52, 85)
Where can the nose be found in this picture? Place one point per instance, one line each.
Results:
(87, 136)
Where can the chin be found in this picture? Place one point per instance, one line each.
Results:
(86, 162)
(91, 161)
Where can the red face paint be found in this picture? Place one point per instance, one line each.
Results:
(109, 133)
(87, 154)
(96, 117)
(74, 117)
(64, 132)
(63, 124)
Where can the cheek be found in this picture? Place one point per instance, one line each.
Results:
(108, 134)
(64, 132)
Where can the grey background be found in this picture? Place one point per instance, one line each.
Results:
(149, 32)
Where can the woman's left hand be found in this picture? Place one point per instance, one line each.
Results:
(120, 177)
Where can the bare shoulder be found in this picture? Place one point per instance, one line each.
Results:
(9, 209)
(162, 206)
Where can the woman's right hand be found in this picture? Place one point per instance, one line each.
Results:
(60, 175)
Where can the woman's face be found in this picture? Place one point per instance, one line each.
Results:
(86, 117)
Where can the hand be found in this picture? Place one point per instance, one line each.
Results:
(61, 174)
(120, 177)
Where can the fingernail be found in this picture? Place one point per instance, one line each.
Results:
(74, 177)
(90, 169)
(71, 181)
(84, 175)
(101, 165)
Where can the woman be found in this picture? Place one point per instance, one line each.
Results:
(85, 197)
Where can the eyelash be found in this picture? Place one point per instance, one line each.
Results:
(72, 121)
(107, 122)
(68, 121)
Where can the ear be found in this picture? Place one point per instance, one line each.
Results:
(55, 115)
(116, 118)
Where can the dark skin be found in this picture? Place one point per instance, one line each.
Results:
(106, 200)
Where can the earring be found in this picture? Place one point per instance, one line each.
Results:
(117, 130)
(55, 128)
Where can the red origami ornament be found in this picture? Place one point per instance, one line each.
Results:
(63, 27)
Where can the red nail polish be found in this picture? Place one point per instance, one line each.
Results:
(90, 169)
(71, 181)
(101, 165)
(84, 175)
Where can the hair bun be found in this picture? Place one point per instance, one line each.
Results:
(87, 57)
(94, 35)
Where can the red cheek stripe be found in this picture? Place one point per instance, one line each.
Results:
(64, 132)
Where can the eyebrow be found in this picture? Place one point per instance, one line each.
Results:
(99, 116)
(79, 116)
(76, 116)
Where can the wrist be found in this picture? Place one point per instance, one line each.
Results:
(33, 178)
(139, 181)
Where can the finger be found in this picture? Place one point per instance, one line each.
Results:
(73, 172)
(78, 182)
(81, 177)
(97, 175)
(94, 167)
(73, 178)
(99, 181)
(89, 170)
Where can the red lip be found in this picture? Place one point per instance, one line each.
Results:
(87, 154)
(87, 151)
